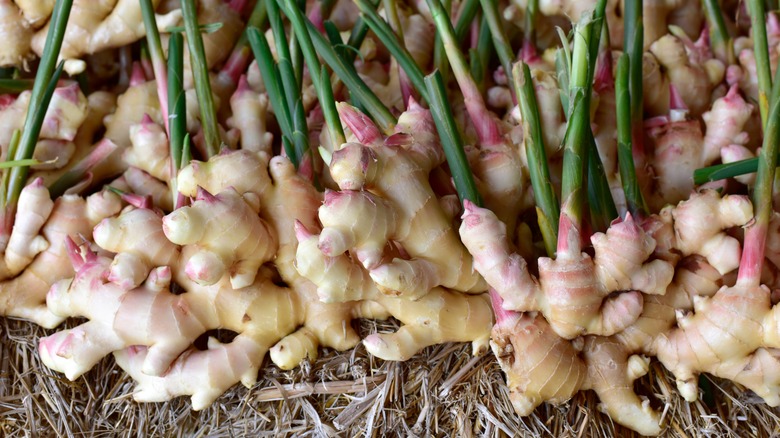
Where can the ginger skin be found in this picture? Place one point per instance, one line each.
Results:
(24, 295)
(395, 170)
(571, 291)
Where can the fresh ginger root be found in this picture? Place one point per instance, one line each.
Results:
(229, 235)
(24, 295)
(438, 316)
(395, 172)
(16, 35)
(733, 335)
(695, 226)
(99, 25)
(288, 321)
(540, 365)
(613, 363)
(572, 290)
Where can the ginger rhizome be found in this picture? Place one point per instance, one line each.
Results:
(36, 254)
(572, 291)
(386, 179)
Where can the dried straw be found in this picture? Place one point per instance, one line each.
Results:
(441, 392)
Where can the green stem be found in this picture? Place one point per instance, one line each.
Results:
(158, 58)
(600, 202)
(468, 11)
(761, 52)
(346, 72)
(450, 139)
(547, 208)
(45, 82)
(500, 41)
(487, 129)
(200, 70)
(633, 41)
(440, 61)
(273, 87)
(575, 140)
(720, 39)
(634, 199)
(177, 104)
(320, 80)
(390, 40)
(752, 261)
(529, 27)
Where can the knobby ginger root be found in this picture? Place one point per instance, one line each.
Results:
(695, 226)
(540, 365)
(289, 321)
(16, 35)
(396, 170)
(572, 290)
(438, 316)
(24, 296)
(733, 335)
(229, 235)
(613, 363)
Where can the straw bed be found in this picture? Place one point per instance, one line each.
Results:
(442, 392)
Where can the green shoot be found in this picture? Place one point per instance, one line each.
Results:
(273, 86)
(394, 45)
(761, 51)
(158, 59)
(177, 120)
(547, 208)
(200, 70)
(346, 72)
(720, 39)
(450, 139)
(320, 79)
(500, 41)
(634, 199)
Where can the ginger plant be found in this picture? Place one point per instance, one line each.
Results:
(572, 290)
(138, 279)
(374, 165)
(734, 334)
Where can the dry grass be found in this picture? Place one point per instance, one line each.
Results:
(440, 393)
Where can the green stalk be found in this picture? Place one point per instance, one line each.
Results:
(32, 126)
(480, 56)
(563, 71)
(176, 97)
(178, 107)
(13, 145)
(600, 203)
(346, 72)
(451, 140)
(761, 51)
(634, 199)
(468, 10)
(45, 81)
(440, 61)
(547, 208)
(488, 131)
(15, 86)
(575, 141)
(320, 80)
(200, 70)
(332, 120)
(720, 39)
(284, 60)
(500, 41)
(295, 50)
(390, 40)
(529, 24)
(633, 41)
(154, 46)
(273, 86)
(756, 232)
